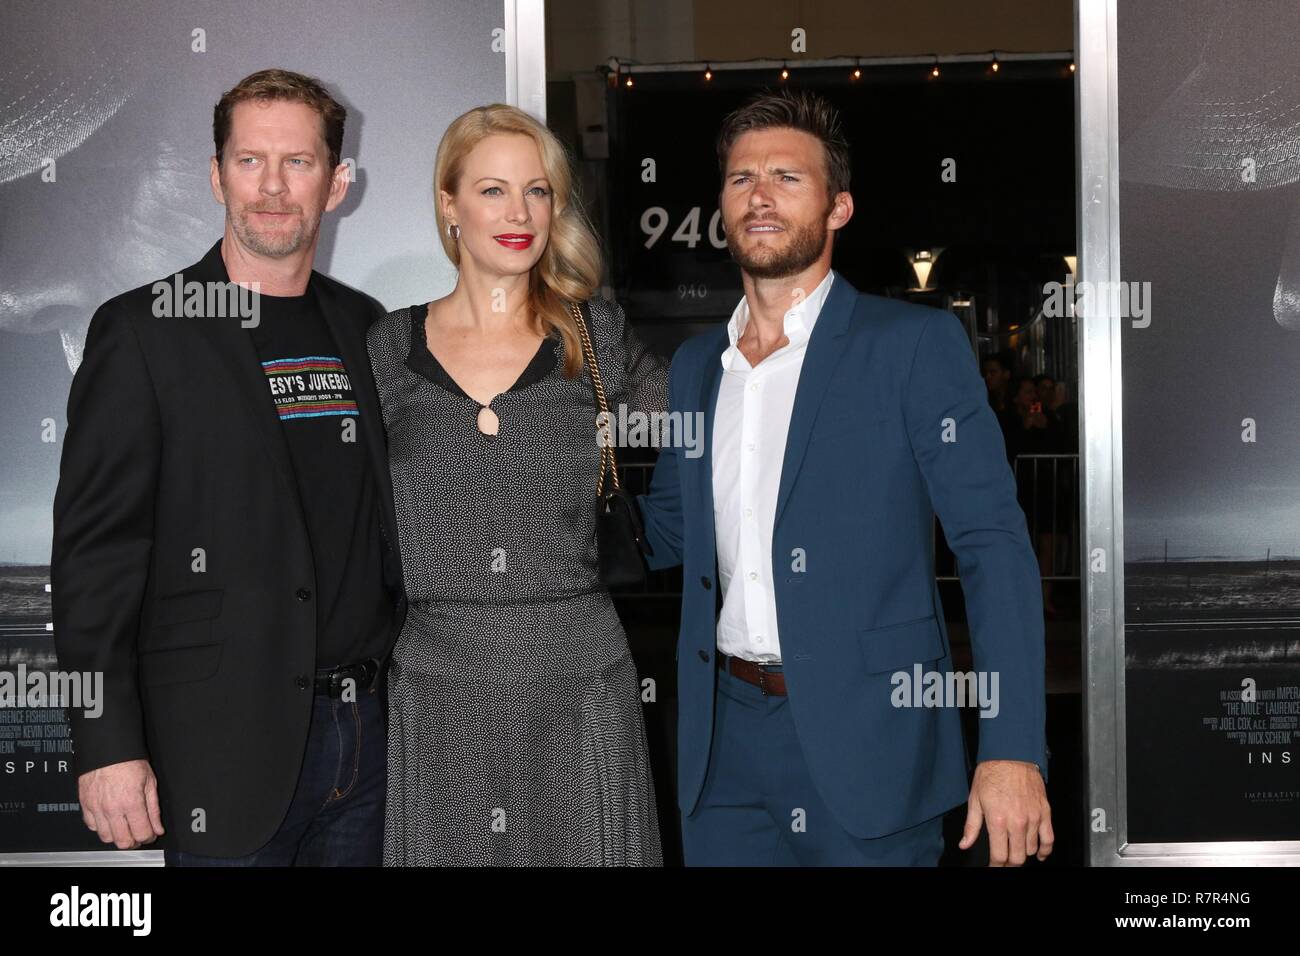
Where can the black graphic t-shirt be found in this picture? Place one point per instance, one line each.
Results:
(312, 393)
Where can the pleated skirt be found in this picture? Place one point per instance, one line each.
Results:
(516, 738)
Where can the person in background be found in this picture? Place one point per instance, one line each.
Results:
(1036, 432)
(1053, 395)
(1046, 386)
(996, 370)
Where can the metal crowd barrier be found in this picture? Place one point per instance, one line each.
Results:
(1047, 488)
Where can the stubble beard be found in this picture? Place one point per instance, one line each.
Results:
(804, 247)
(273, 244)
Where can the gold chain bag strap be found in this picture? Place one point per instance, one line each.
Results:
(620, 539)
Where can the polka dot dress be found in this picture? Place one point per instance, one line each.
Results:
(515, 735)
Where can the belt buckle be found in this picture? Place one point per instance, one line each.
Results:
(369, 670)
(356, 672)
(762, 679)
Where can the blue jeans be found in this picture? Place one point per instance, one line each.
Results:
(760, 807)
(336, 817)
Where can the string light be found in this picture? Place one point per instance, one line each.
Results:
(995, 67)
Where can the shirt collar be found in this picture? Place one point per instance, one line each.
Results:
(798, 325)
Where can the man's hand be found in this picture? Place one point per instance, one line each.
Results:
(120, 803)
(1010, 795)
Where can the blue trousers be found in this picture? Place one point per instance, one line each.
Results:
(336, 817)
(759, 806)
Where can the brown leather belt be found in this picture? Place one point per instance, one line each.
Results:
(771, 683)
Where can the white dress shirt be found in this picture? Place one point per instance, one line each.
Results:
(749, 433)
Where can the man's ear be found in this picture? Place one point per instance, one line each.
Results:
(214, 176)
(841, 211)
(339, 182)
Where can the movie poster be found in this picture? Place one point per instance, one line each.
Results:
(1209, 159)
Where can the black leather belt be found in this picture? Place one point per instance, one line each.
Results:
(362, 675)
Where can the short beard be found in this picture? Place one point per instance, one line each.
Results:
(805, 248)
(277, 245)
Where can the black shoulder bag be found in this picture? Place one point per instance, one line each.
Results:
(620, 539)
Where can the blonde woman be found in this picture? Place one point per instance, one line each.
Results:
(515, 728)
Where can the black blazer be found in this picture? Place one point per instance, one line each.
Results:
(173, 444)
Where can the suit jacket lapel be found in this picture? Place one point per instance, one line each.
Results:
(710, 384)
(821, 355)
(234, 346)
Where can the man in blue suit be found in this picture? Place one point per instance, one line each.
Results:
(818, 720)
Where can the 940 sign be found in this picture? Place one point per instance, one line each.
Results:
(654, 223)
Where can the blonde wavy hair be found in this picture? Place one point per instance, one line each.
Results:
(570, 267)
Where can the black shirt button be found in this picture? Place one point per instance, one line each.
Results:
(302, 594)
(707, 583)
(301, 681)
(704, 656)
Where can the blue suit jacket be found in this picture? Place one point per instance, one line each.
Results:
(891, 425)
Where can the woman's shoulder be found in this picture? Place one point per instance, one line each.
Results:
(606, 317)
(392, 333)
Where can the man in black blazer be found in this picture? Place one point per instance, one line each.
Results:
(224, 541)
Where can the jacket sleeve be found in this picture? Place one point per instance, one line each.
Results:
(645, 373)
(661, 506)
(959, 449)
(103, 535)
